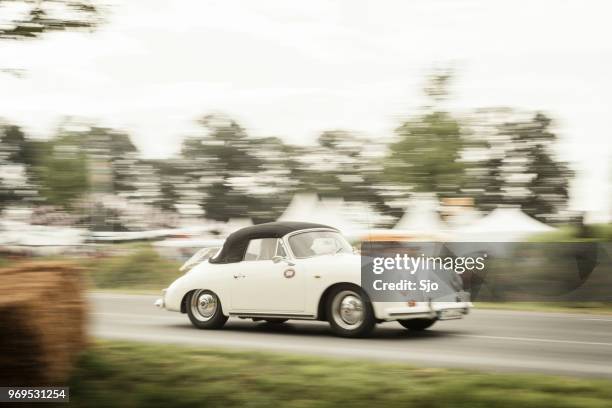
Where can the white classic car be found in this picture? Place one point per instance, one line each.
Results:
(290, 270)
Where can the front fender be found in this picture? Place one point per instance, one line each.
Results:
(327, 271)
(204, 276)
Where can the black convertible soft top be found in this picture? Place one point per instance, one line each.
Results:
(236, 243)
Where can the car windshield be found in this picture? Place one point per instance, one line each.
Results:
(314, 243)
(200, 256)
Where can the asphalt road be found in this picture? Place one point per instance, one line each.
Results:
(555, 343)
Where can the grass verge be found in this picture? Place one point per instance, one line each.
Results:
(555, 307)
(142, 375)
(132, 268)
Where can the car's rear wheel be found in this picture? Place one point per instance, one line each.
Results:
(204, 310)
(349, 312)
(417, 324)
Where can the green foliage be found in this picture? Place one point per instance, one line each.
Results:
(136, 266)
(426, 154)
(73, 163)
(520, 168)
(485, 183)
(549, 186)
(62, 172)
(341, 165)
(547, 181)
(16, 149)
(141, 375)
(171, 174)
(573, 233)
(229, 174)
(554, 307)
(14, 146)
(111, 152)
(225, 164)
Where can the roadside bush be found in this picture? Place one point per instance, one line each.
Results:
(139, 267)
(570, 233)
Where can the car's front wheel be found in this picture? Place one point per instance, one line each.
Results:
(204, 310)
(349, 312)
(417, 324)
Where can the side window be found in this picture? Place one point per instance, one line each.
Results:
(262, 249)
(280, 249)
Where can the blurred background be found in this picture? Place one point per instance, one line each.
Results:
(135, 133)
(167, 127)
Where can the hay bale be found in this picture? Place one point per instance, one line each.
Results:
(42, 322)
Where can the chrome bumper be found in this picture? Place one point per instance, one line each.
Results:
(160, 303)
(446, 311)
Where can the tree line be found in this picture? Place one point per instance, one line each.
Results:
(494, 156)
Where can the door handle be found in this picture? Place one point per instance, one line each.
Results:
(239, 275)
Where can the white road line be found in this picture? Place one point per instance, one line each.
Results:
(533, 339)
(598, 320)
(123, 296)
(134, 315)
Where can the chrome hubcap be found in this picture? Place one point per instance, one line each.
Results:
(347, 309)
(203, 305)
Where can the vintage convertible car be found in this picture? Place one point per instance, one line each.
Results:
(290, 270)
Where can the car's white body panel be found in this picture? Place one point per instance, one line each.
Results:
(261, 286)
(291, 288)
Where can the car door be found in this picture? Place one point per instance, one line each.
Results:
(260, 285)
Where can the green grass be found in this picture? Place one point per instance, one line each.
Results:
(5, 262)
(136, 267)
(126, 374)
(569, 307)
(126, 267)
(571, 233)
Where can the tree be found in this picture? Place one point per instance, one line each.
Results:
(223, 165)
(519, 168)
(428, 147)
(76, 162)
(342, 165)
(171, 182)
(14, 144)
(110, 151)
(484, 182)
(17, 156)
(62, 172)
(36, 17)
(545, 180)
(549, 185)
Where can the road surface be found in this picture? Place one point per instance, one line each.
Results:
(554, 343)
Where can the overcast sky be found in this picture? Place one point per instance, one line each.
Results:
(292, 69)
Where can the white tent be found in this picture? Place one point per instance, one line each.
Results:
(502, 225)
(421, 216)
(39, 239)
(334, 212)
